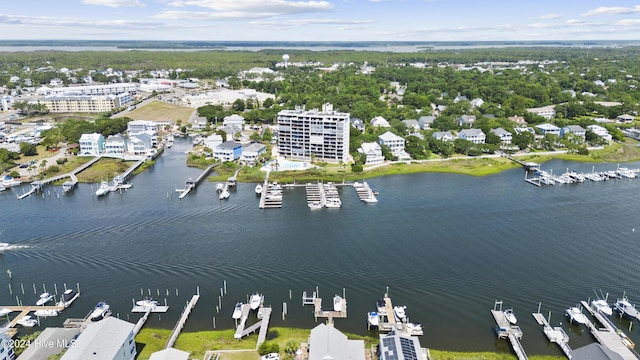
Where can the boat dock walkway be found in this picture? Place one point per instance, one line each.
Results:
(610, 336)
(191, 184)
(246, 309)
(120, 179)
(555, 335)
(527, 165)
(364, 192)
(38, 184)
(271, 196)
(504, 329)
(330, 315)
(141, 322)
(264, 315)
(183, 319)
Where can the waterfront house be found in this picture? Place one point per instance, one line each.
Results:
(212, 141)
(228, 151)
(141, 126)
(379, 121)
(115, 146)
(548, 129)
(58, 338)
(170, 354)
(443, 136)
(91, 144)
(109, 338)
(398, 346)
(426, 121)
(600, 131)
(577, 130)
(395, 144)
(233, 120)
(466, 120)
(476, 136)
(412, 125)
(373, 152)
(251, 152)
(547, 112)
(139, 144)
(504, 135)
(326, 342)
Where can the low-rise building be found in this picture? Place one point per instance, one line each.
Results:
(476, 136)
(358, 124)
(373, 152)
(577, 130)
(412, 125)
(233, 120)
(466, 120)
(228, 151)
(395, 143)
(519, 120)
(625, 118)
(443, 136)
(379, 121)
(326, 342)
(548, 129)
(212, 141)
(251, 152)
(547, 112)
(115, 146)
(505, 136)
(109, 338)
(426, 121)
(91, 144)
(85, 103)
(601, 131)
(6, 345)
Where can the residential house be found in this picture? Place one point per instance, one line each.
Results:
(460, 98)
(548, 129)
(115, 146)
(57, 340)
(412, 125)
(109, 338)
(358, 124)
(379, 121)
(170, 354)
(519, 120)
(139, 144)
(199, 123)
(624, 118)
(443, 136)
(504, 135)
(547, 112)
(476, 136)
(477, 102)
(466, 120)
(150, 128)
(399, 346)
(395, 144)
(212, 141)
(426, 121)
(601, 131)
(373, 152)
(91, 144)
(326, 342)
(251, 152)
(233, 120)
(228, 151)
(577, 130)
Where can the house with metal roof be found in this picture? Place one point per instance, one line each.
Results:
(548, 129)
(426, 121)
(328, 343)
(467, 120)
(373, 152)
(228, 151)
(476, 136)
(577, 130)
(107, 339)
(91, 144)
(443, 136)
(504, 135)
(395, 144)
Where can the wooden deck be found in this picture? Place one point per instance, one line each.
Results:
(183, 319)
(610, 336)
(555, 335)
(504, 330)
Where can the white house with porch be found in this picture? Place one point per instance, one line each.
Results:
(373, 152)
(91, 144)
(476, 136)
(251, 152)
(395, 144)
(505, 136)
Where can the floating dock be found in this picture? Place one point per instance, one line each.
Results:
(571, 177)
(610, 336)
(504, 330)
(271, 196)
(330, 315)
(364, 192)
(555, 335)
(183, 319)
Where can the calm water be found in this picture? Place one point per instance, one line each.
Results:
(447, 246)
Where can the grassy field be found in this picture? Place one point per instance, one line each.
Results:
(157, 110)
(104, 170)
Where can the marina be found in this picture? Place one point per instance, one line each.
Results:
(542, 177)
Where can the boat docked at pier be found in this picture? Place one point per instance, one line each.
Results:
(219, 187)
(602, 306)
(147, 302)
(255, 301)
(624, 308)
(47, 312)
(400, 312)
(27, 321)
(337, 303)
(509, 314)
(237, 311)
(576, 316)
(68, 297)
(373, 319)
(103, 189)
(258, 189)
(224, 194)
(45, 297)
(100, 312)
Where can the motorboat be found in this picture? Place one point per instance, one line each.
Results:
(602, 306)
(219, 187)
(237, 311)
(382, 306)
(103, 189)
(4, 246)
(259, 189)
(47, 312)
(27, 321)
(45, 297)
(337, 303)
(399, 312)
(224, 194)
(576, 316)
(5, 311)
(624, 308)
(147, 302)
(101, 310)
(510, 316)
(414, 328)
(2, 188)
(373, 319)
(9, 181)
(333, 203)
(255, 301)
(314, 205)
(68, 297)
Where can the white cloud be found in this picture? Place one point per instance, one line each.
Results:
(304, 22)
(628, 22)
(613, 10)
(540, 26)
(574, 22)
(550, 16)
(241, 9)
(114, 3)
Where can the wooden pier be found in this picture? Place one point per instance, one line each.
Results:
(555, 335)
(264, 315)
(610, 336)
(191, 184)
(330, 315)
(364, 192)
(183, 319)
(504, 329)
(39, 184)
(527, 165)
(141, 322)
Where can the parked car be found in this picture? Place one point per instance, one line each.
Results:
(271, 356)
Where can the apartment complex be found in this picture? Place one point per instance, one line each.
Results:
(85, 103)
(323, 135)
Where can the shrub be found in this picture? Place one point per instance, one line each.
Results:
(268, 347)
(61, 161)
(357, 168)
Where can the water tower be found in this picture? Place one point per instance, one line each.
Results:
(285, 59)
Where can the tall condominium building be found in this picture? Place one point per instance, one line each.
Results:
(306, 134)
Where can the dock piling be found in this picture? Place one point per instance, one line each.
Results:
(22, 287)
(225, 286)
(34, 290)
(55, 289)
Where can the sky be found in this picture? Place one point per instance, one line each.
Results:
(320, 20)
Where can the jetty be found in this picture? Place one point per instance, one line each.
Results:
(504, 330)
(191, 184)
(554, 334)
(529, 166)
(140, 323)
(330, 315)
(609, 335)
(183, 319)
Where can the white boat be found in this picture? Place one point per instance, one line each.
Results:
(399, 312)
(237, 311)
(373, 319)
(258, 189)
(47, 312)
(27, 321)
(5, 311)
(624, 308)
(255, 301)
(45, 297)
(219, 186)
(337, 303)
(147, 302)
(103, 189)
(68, 297)
(2, 187)
(382, 307)
(602, 306)
(4, 246)
(314, 205)
(576, 316)
(510, 316)
(224, 194)
(8, 181)
(332, 203)
(101, 310)
(414, 328)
